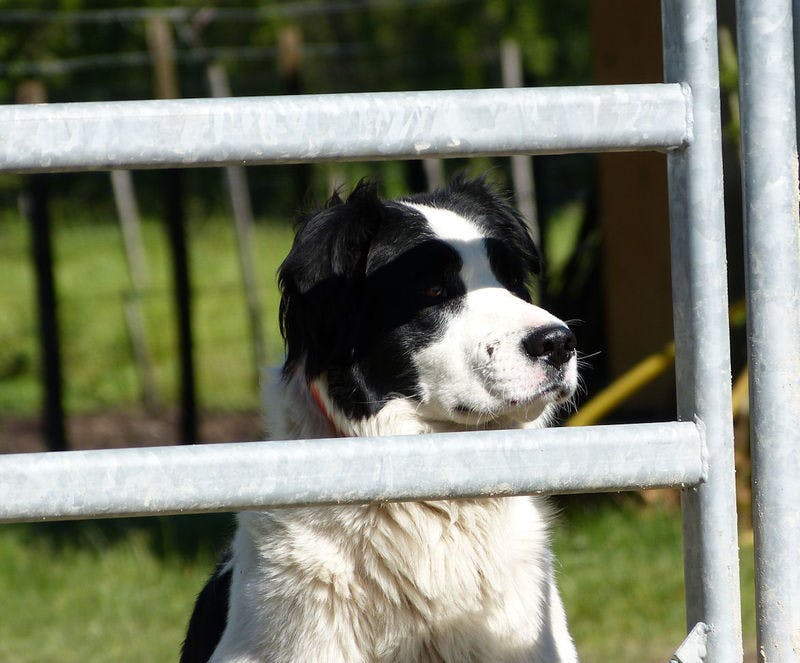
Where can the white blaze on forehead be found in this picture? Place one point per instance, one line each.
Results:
(448, 225)
(466, 238)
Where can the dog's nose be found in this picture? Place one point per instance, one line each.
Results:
(555, 344)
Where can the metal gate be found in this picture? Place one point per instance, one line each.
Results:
(695, 453)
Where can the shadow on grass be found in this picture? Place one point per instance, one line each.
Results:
(184, 537)
(204, 537)
(582, 506)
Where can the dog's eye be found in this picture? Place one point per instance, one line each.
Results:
(435, 291)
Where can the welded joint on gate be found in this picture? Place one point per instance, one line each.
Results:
(705, 459)
(688, 137)
(693, 648)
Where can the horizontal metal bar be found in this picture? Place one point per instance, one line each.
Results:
(341, 127)
(252, 475)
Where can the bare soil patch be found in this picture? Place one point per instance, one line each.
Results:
(129, 428)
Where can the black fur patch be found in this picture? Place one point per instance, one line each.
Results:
(209, 617)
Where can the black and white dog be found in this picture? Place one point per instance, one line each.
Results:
(402, 317)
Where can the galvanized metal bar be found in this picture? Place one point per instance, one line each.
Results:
(796, 40)
(340, 127)
(700, 304)
(693, 648)
(772, 237)
(229, 477)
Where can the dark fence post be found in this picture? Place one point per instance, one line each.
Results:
(159, 36)
(176, 230)
(290, 62)
(34, 206)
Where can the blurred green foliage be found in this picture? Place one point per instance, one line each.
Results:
(373, 44)
(83, 51)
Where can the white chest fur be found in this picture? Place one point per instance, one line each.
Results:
(437, 581)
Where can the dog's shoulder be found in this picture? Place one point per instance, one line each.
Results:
(210, 615)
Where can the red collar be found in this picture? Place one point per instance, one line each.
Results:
(317, 398)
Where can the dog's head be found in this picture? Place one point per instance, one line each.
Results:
(424, 299)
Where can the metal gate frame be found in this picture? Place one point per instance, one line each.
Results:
(695, 453)
(772, 271)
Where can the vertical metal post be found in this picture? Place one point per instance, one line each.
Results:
(772, 238)
(796, 43)
(701, 327)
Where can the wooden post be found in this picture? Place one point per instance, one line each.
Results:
(162, 51)
(34, 206)
(159, 38)
(521, 165)
(128, 211)
(434, 172)
(336, 180)
(243, 219)
(632, 191)
(290, 60)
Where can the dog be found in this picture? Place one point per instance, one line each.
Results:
(402, 317)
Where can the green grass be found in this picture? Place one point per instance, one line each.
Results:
(92, 281)
(631, 584)
(102, 591)
(123, 590)
(621, 574)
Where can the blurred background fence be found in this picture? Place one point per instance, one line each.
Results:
(135, 308)
(600, 219)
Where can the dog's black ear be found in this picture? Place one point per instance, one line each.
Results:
(317, 279)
